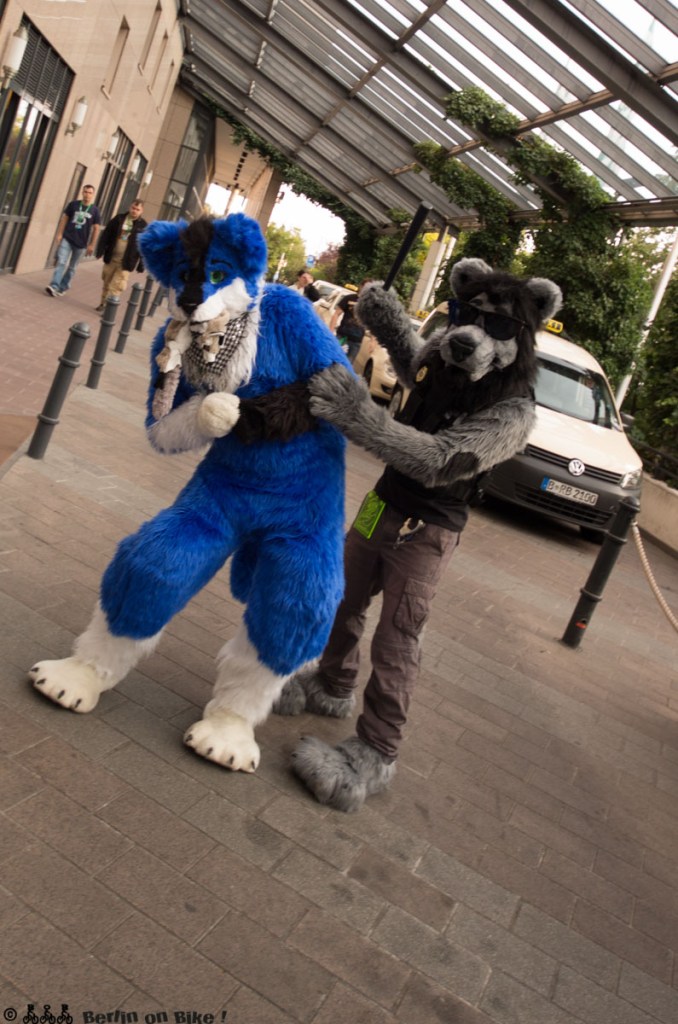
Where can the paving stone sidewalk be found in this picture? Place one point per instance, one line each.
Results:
(523, 868)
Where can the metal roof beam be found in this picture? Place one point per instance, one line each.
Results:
(624, 80)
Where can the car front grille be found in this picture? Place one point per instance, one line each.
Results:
(562, 462)
(556, 505)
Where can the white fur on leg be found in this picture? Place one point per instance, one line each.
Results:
(243, 695)
(100, 660)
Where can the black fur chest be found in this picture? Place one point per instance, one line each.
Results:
(442, 393)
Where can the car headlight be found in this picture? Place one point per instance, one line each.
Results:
(632, 479)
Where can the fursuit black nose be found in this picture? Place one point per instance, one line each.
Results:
(461, 348)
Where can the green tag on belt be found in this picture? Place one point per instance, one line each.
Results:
(369, 515)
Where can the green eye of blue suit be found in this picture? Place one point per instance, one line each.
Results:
(216, 276)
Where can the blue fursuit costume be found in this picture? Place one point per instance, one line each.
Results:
(228, 370)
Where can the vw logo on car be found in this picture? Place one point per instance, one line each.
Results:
(576, 467)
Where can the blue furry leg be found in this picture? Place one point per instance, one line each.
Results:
(156, 571)
(293, 596)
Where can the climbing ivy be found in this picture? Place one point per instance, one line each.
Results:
(475, 109)
(365, 253)
(498, 236)
(578, 243)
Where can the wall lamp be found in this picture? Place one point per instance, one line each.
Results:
(13, 55)
(112, 146)
(134, 169)
(77, 117)
(148, 178)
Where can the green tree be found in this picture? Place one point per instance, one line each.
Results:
(326, 266)
(288, 245)
(654, 396)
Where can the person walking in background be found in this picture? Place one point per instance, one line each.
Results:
(77, 233)
(118, 246)
(304, 284)
(349, 330)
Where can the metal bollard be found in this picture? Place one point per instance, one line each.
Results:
(99, 357)
(160, 294)
(68, 364)
(129, 316)
(145, 299)
(592, 592)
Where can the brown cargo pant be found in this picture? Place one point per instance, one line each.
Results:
(407, 572)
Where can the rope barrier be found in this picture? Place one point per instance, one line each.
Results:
(650, 577)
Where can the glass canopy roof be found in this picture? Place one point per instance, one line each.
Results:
(345, 88)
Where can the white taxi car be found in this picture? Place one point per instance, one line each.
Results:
(578, 462)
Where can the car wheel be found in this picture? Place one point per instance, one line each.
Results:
(395, 401)
(595, 536)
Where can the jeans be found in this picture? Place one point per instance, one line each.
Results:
(68, 257)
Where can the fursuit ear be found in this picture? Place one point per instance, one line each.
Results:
(466, 271)
(546, 295)
(157, 245)
(242, 236)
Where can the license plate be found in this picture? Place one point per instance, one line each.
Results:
(569, 491)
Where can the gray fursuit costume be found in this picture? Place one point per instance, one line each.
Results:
(471, 407)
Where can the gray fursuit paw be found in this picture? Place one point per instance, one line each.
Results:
(305, 692)
(342, 776)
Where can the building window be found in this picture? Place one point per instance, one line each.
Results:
(158, 64)
(150, 36)
(116, 56)
(178, 198)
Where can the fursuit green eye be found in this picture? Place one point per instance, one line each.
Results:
(217, 276)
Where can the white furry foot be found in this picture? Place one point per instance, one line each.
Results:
(342, 776)
(69, 682)
(305, 692)
(225, 738)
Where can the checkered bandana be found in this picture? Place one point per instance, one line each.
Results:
(208, 376)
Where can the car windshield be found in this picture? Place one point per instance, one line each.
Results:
(575, 391)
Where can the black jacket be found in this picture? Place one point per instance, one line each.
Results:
(109, 236)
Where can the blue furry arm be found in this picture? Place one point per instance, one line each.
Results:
(474, 443)
(381, 312)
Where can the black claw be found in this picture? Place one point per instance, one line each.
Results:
(61, 695)
(40, 682)
(77, 703)
(188, 738)
(254, 767)
(230, 761)
(209, 751)
(34, 669)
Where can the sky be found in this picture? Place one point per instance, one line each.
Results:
(317, 226)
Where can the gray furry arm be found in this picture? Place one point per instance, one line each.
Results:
(472, 444)
(381, 312)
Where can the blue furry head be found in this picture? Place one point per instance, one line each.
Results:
(210, 267)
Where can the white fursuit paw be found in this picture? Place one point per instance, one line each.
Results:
(342, 776)
(227, 739)
(69, 682)
(218, 414)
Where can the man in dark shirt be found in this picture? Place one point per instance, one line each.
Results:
(77, 233)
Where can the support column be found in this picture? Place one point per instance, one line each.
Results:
(438, 252)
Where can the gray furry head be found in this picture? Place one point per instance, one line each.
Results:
(494, 319)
